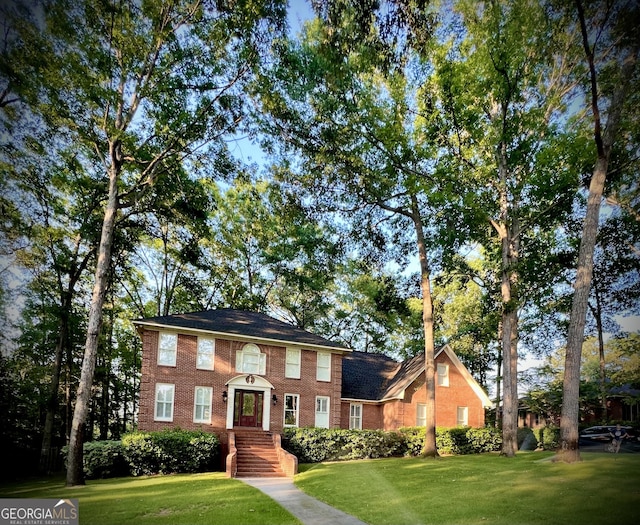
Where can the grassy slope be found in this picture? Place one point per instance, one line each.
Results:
(178, 499)
(486, 489)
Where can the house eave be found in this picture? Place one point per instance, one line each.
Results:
(239, 337)
(356, 400)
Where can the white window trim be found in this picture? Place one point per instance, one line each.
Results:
(421, 421)
(297, 411)
(321, 369)
(328, 412)
(213, 353)
(295, 372)
(155, 403)
(250, 349)
(208, 404)
(175, 348)
(464, 422)
(443, 374)
(351, 416)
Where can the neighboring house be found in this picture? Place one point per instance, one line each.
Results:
(224, 370)
(622, 404)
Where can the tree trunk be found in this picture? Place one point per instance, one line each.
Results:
(569, 451)
(75, 474)
(597, 314)
(52, 401)
(499, 381)
(430, 450)
(508, 232)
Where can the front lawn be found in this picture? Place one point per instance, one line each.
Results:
(527, 489)
(474, 489)
(188, 499)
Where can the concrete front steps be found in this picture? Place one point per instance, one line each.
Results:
(257, 456)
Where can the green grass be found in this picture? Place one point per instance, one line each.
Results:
(482, 489)
(188, 499)
(461, 490)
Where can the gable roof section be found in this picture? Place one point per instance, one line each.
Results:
(240, 324)
(365, 376)
(375, 377)
(407, 374)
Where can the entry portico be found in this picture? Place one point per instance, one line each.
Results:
(249, 402)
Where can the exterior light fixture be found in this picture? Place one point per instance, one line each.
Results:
(224, 396)
(274, 399)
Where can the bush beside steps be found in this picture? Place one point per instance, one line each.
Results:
(145, 453)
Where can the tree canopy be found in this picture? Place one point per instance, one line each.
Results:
(426, 170)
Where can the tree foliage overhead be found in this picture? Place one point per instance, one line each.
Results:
(134, 94)
(429, 172)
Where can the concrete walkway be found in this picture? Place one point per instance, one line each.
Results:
(308, 510)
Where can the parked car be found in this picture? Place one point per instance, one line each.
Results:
(603, 434)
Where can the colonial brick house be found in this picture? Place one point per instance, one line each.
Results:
(230, 371)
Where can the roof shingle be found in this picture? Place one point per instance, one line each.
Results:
(367, 376)
(241, 323)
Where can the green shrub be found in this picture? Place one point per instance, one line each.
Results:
(312, 445)
(457, 440)
(367, 444)
(142, 454)
(102, 459)
(413, 440)
(485, 439)
(548, 437)
(170, 451)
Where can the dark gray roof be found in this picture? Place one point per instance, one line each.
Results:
(367, 376)
(241, 323)
(375, 376)
(409, 370)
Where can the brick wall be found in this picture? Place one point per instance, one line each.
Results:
(403, 413)
(185, 376)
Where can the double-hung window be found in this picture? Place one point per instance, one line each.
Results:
(462, 416)
(421, 415)
(206, 353)
(202, 404)
(291, 410)
(250, 360)
(165, 394)
(292, 364)
(167, 349)
(443, 374)
(355, 416)
(323, 368)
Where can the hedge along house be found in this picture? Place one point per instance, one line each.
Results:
(246, 376)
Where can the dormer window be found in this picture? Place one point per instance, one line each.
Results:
(250, 360)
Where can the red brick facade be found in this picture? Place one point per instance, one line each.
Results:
(462, 393)
(186, 377)
(397, 413)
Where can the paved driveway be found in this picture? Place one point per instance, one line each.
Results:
(627, 447)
